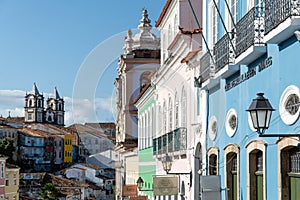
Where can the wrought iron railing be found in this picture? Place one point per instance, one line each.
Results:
(154, 146)
(170, 142)
(164, 144)
(159, 149)
(175, 140)
(249, 30)
(180, 142)
(206, 69)
(277, 11)
(223, 52)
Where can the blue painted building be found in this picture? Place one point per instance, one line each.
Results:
(255, 48)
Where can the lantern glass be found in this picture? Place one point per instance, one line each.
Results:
(260, 112)
(253, 115)
(167, 163)
(140, 183)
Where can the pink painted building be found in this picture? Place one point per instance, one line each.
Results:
(2, 176)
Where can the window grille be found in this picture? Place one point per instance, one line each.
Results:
(259, 161)
(294, 155)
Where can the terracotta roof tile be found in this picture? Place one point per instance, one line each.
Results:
(163, 13)
(91, 166)
(190, 55)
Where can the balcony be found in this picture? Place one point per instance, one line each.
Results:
(249, 37)
(180, 139)
(224, 55)
(223, 52)
(173, 142)
(207, 71)
(282, 19)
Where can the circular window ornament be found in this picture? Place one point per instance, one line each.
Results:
(231, 122)
(213, 128)
(289, 105)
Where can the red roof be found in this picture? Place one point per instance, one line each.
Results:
(190, 55)
(163, 13)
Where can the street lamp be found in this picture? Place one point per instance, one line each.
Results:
(140, 183)
(167, 165)
(260, 112)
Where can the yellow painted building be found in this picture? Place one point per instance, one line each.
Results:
(12, 174)
(67, 148)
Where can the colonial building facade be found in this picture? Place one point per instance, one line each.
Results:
(35, 110)
(212, 67)
(253, 51)
(141, 58)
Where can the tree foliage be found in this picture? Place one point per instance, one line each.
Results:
(7, 147)
(48, 192)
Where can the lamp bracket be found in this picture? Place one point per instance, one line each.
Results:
(279, 135)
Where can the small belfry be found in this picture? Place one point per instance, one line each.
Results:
(35, 111)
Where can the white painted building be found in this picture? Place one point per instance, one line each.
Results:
(141, 58)
(179, 127)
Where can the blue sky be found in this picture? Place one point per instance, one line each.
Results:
(55, 43)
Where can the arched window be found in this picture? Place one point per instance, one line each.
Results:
(256, 170)
(183, 108)
(213, 164)
(170, 114)
(176, 111)
(288, 169)
(152, 123)
(169, 34)
(144, 79)
(164, 117)
(231, 153)
(175, 28)
(212, 23)
(231, 20)
(30, 103)
(213, 161)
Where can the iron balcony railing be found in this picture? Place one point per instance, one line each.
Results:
(223, 52)
(173, 141)
(180, 139)
(277, 11)
(207, 68)
(249, 30)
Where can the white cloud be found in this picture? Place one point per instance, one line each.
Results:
(76, 110)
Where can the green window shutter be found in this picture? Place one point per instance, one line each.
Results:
(234, 186)
(295, 187)
(259, 187)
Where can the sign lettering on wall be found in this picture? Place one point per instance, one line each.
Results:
(165, 185)
(250, 73)
(130, 190)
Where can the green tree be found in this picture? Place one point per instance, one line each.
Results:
(7, 147)
(48, 192)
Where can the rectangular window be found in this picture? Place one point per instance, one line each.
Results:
(213, 24)
(15, 179)
(29, 116)
(6, 180)
(2, 170)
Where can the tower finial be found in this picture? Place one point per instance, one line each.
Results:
(35, 91)
(145, 21)
(56, 95)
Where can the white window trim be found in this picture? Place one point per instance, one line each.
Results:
(251, 146)
(282, 144)
(233, 148)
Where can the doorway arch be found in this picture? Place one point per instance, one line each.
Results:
(197, 167)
